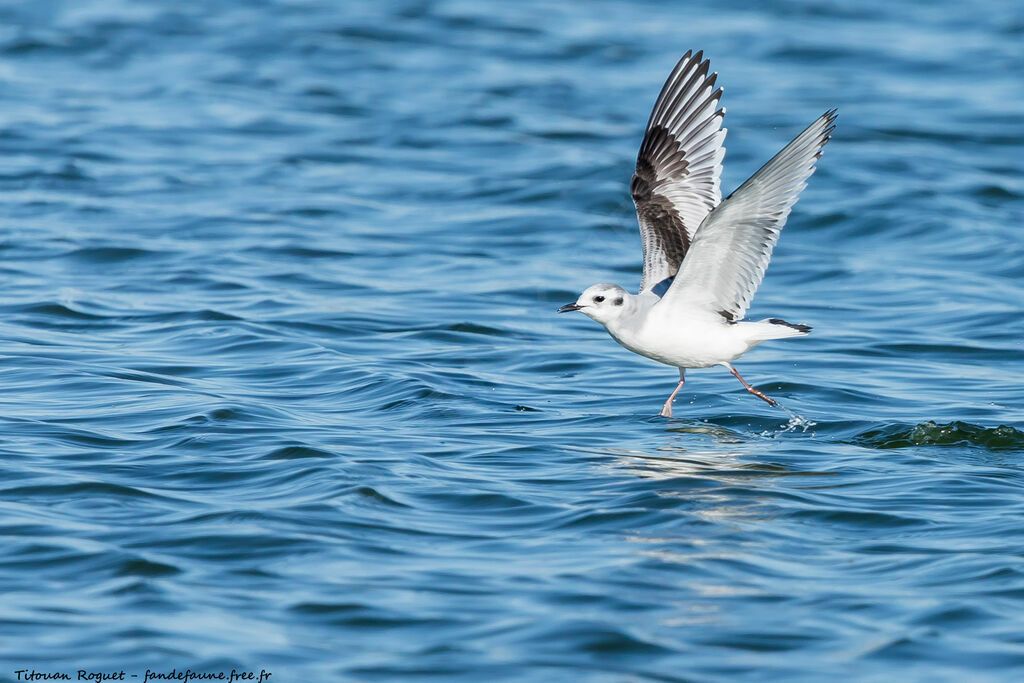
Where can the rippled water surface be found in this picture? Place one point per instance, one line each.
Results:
(283, 385)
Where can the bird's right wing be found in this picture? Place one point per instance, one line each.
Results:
(732, 247)
(676, 182)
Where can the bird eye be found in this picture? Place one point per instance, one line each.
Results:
(618, 302)
(598, 299)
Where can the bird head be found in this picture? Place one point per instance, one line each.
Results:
(603, 303)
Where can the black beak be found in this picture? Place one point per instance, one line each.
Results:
(568, 308)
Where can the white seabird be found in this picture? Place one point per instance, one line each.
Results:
(704, 257)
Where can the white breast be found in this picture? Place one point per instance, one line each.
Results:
(681, 337)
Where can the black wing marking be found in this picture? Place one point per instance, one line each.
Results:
(678, 169)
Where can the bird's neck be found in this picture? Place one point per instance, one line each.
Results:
(625, 326)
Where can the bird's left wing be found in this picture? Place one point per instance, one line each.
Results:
(679, 167)
(732, 247)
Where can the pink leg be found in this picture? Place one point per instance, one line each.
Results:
(666, 410)
(755, 392)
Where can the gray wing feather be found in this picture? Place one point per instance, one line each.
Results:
(732, 247)
(679, 167)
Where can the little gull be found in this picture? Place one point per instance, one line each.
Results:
(704, 257)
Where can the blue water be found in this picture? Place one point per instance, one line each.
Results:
(284, 388)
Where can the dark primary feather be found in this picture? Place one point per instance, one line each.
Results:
(676, 182)
(662, 230)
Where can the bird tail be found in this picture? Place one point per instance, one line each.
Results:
(773, 328)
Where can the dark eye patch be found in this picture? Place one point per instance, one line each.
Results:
(598, 299)
(618, 302)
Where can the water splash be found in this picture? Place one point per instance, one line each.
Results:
(796, 421)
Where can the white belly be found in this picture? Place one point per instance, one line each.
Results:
(683, 339)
